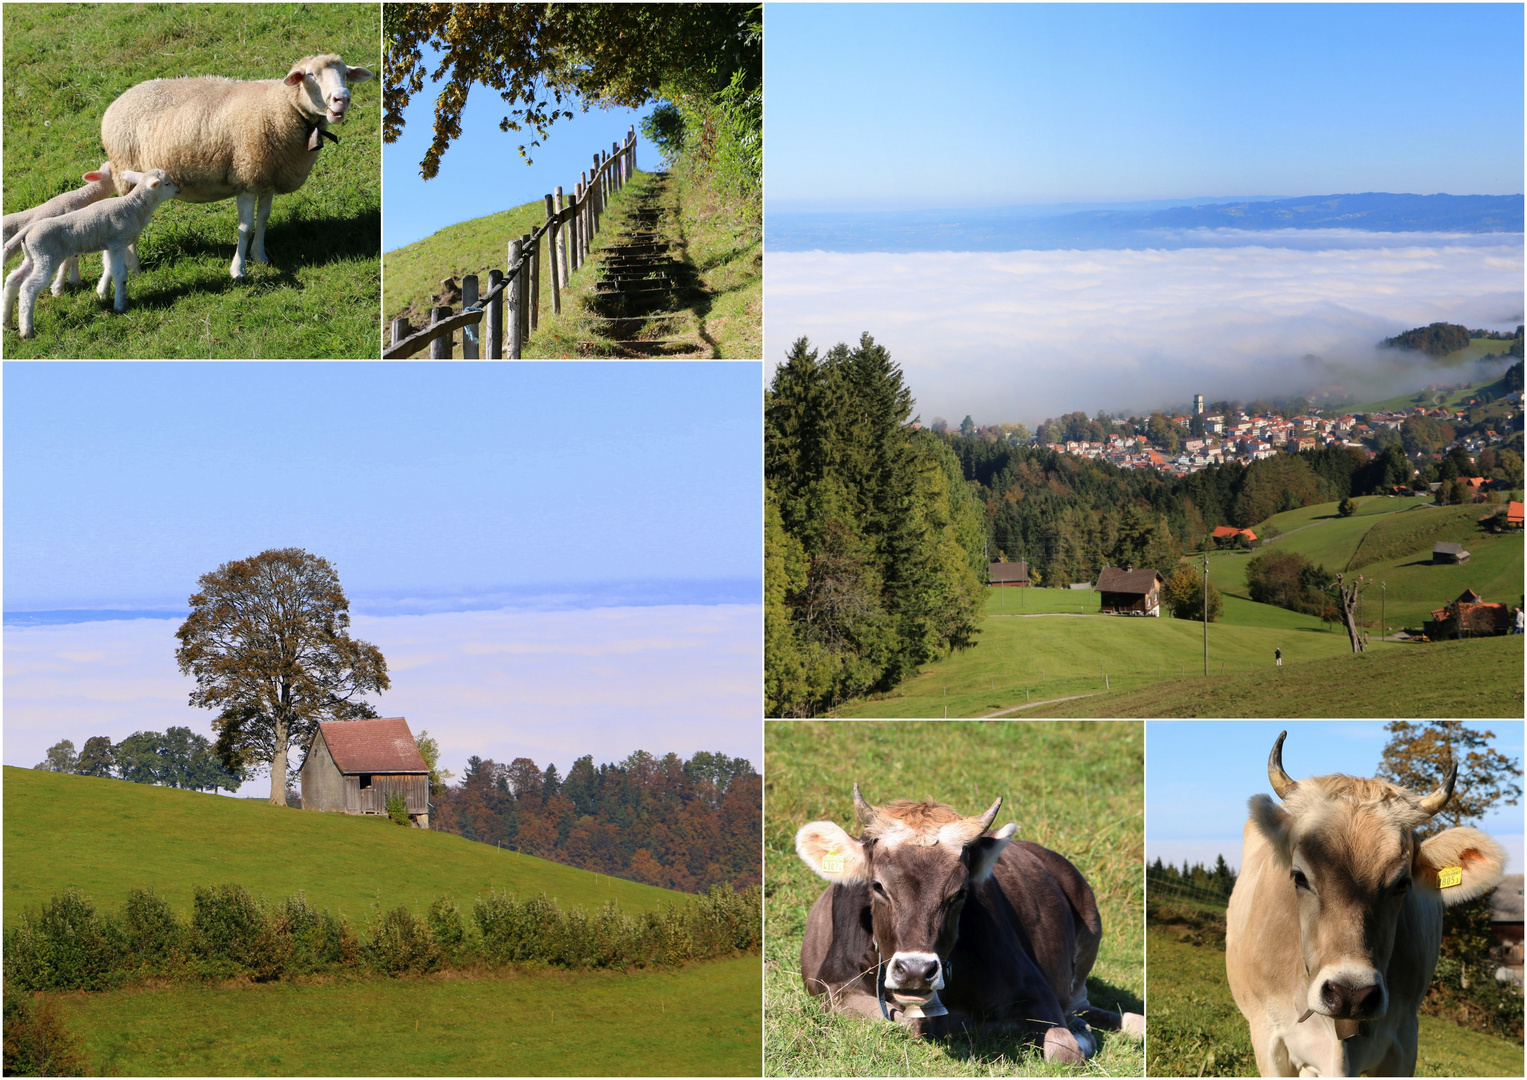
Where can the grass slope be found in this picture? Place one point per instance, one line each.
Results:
(723, 283)
(1196, 1029)
(65, 63)
(1076, 788)
(108, 836)
(701, 1020)
(1481, 678)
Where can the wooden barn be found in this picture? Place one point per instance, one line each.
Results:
(1469, 616)
(353, 765)
(1130, 592)
(1008, 573)
(1445, 552)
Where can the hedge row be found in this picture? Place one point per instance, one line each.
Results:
(68, 944)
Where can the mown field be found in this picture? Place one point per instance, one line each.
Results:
(701, 1020)
(106, 837)
(1196, 1029)
(1039, 645)
(1076, 788)
(65, 63)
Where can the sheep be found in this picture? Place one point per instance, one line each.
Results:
(111, 225)
(222, 138)
(98, 185)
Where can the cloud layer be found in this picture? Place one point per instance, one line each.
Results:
(1018, 336)
(551, 686)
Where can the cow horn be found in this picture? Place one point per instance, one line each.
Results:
(1438, 799)
(863, 810)
(991, 814)
(1275, 774)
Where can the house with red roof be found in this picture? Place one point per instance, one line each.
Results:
(1226, 534)
(352, 766)
(1514, 514)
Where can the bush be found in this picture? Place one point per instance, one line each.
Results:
(36, 1043)
(444, 919)
(1287, 579)
(66, 946)
(1184, 595)
(151, 932)
(314, 940)
(665, 130)
(397, 808)
(230, 930)
(401, 944)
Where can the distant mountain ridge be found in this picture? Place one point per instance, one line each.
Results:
(1199, 224)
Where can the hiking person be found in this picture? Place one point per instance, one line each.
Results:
(1278, 656)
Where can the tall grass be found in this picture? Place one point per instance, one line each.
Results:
(69, 944)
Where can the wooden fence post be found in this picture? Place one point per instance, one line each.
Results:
(440, 348)
(562, 240)
(598, 200)
(633, 149)
(512, 294)
(551, 252)
(493, 318)
(470, 335)
(535, 281)
(583, 218)
(400, 329)
(524, 289)
(615, 172)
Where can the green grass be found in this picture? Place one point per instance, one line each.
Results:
(701, 1020)
(722, 298)
(1452, 678)
(1076, 788)
(1196, 1029)
(109, 836)
(65, 63)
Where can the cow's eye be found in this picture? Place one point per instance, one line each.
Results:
(1401, 885)
(1300, 881)
(879, 888)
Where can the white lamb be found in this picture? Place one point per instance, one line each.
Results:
(98, 185)
(108, 226)
(222, 138)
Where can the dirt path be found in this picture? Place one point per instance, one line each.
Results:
(1034, 705)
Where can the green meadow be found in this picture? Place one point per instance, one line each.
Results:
(106, 837)
(700, 1020)
(1075, 787)
(1042, 645)
(65, 63)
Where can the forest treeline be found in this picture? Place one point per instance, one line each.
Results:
(873, 542)
(1440, 339)
(677, 824)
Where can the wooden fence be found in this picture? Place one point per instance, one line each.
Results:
(500, 321)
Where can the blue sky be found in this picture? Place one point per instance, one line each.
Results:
(1199, 775)
(944, 105)
(482, 172)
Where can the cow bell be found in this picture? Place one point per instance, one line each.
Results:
(918, 1010)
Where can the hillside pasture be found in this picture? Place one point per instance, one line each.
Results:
(106, 837)
(65, 63)
(1076, 788)
(700, 1020)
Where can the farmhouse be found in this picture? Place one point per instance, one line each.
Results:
(1506, 921)
(353, 765)
(1130, 592)
(1514, 514)
(1227, 534)
(1469, 616)
(1445, 552)
(1008, 573)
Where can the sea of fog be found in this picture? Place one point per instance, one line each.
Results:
(1018, 336)
(550, 685)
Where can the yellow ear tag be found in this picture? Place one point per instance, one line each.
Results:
(832, 862)
(1449, 876)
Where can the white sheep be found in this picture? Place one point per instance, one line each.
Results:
(108, 226)
(221, 138)
(98, 185)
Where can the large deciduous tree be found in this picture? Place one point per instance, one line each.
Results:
(269, 646)
(1419, 753)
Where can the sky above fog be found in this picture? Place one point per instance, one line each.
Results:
(578, 546)
(1199, 775)
(875, 106)
(1021, 336)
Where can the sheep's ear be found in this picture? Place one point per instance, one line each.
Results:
(295, 77)
(151, 183)
(130, 177)
(831, 853)
(95, 175)
(357, 75)
(1468, 863)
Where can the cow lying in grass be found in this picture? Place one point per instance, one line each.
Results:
(935, 922)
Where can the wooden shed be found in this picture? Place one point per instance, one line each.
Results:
(353, 765)
(1445, 552)
(1008, 573)
(1130, 592)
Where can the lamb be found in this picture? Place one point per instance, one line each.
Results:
(98, 185)
(111, 225)
(222, 138)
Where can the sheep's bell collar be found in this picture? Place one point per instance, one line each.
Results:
(317, 134)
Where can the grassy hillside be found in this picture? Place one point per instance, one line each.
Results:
(108, 836)
(722, 280)
(1076, 788)
(65, 63)
(700, 1020)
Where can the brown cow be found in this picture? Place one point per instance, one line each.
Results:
(1336, 919)
(937, 923)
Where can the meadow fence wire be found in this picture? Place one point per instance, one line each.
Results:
(1202, 888)
(506, 315)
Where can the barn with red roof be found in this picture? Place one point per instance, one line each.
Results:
(353, 765)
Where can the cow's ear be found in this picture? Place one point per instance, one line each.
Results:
(831, 853)
(1463, 854)
(986, 849)
(1274, 823)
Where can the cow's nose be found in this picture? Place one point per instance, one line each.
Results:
(914, 970)
(1351, 1001)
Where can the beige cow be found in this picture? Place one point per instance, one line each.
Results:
(1336, 919)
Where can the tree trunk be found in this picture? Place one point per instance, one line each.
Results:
(1349, 598)
(278, 766)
